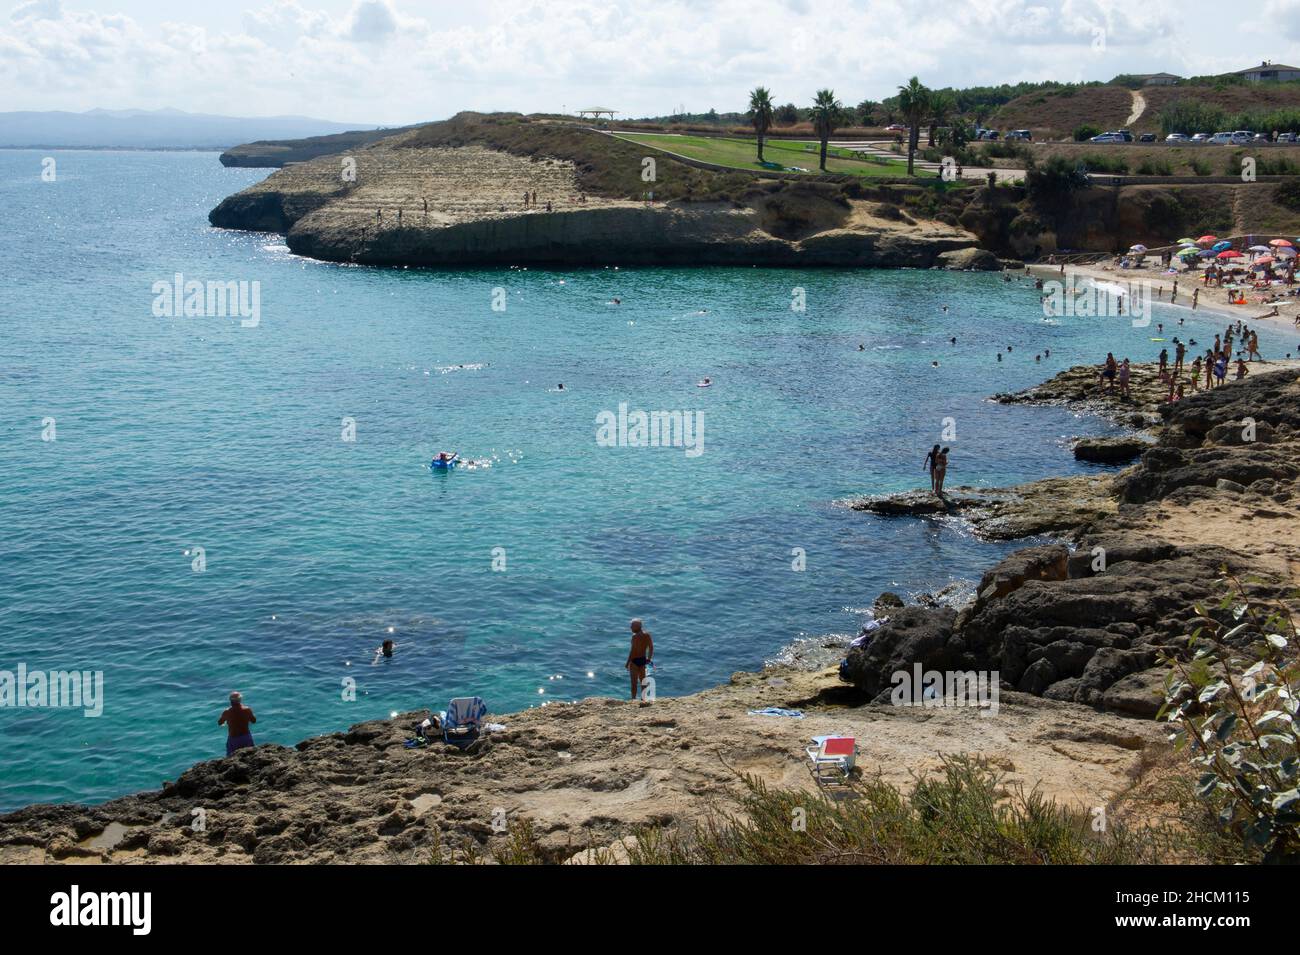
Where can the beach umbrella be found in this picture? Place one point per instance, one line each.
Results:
(1220, 246)
(1281, 243)
(1262, 262)
(1137, 248)
(1185, 241)
(1205, 254)
(1285, 253)
(1187, 253)
(1258, 248)
(1207, 240)
(1228, 254)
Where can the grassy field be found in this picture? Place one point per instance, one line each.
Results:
(742, 154)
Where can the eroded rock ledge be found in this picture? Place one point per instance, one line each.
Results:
(1086, 623)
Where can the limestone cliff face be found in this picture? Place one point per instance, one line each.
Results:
(618, 235)
(391, 204)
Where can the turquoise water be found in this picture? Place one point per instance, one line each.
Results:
(175, 433)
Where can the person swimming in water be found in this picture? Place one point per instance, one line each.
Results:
(384, 650)
(639, 656)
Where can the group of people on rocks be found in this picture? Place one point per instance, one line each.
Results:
(1214, 365)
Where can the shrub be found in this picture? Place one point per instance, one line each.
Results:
(1234, 711)
(1085, 132)
(1051, 184)
(1103, 162)
(1155, 167)
(1287, 194)
(1191, 116)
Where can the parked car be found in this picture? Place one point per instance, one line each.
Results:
(895, 128)
(1286, 137)
(1199, 138)
(1260, 138)
(1023, 135)
(1125, 135)
(1221, 139)
(1147, 138)
(1174, 138)
(1107, 138)
(988, 134)
(1242, 137)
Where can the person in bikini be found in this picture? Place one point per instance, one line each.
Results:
(931, 462)
(940, 471)
(639, 657)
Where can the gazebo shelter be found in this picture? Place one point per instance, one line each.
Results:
(596, 112)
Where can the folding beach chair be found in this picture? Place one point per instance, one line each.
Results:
(831, 755)
(464, 720)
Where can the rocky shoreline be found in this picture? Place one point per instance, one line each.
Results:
(1085, 620)
(1075, 639)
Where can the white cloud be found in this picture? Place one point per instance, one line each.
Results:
(396, 61)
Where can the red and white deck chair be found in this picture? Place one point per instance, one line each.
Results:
(833, 755)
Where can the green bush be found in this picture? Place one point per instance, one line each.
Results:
(1287, 194)
(1155, 167)
(1105, 162)
(1085, 132)
(1234, 711)
(1191, 116)
(1201, 167)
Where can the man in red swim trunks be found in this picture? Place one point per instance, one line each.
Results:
(236, 720)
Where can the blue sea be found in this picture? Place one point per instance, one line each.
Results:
(181, 508)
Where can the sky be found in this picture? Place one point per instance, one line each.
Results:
(400, 61)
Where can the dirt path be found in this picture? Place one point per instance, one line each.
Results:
(1139, 107)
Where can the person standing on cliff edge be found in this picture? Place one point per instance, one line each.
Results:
(639, 656)
(236, 720)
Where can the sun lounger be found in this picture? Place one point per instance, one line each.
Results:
(464, 720)
(832, 755)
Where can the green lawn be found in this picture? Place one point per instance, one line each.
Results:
(743, 154)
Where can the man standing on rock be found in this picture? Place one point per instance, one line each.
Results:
(236, 720)
(639, 657)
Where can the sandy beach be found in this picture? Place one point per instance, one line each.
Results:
(1210, 300)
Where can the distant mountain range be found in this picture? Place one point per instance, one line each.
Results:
(155, 129)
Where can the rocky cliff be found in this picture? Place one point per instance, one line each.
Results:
(404, 200)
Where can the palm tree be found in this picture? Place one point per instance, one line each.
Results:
(867, 111)
(760, 115)
(914, 104)
(942, 106)
(827, 113)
